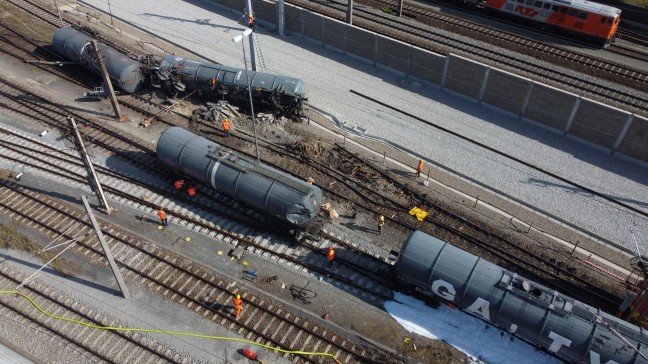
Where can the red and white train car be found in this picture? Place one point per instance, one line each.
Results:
(586, 19)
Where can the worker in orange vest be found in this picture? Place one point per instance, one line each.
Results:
(178, 184)
(226, 127)
(163, 217)
(381, 223)
(419, 169)
(330, 256)
(238, 305)
(191, 190)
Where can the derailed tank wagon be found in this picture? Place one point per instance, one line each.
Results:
(279, 195)
(125, 73)
(571, 330)
(283, 95)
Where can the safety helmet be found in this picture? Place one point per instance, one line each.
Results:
(421, 160)
(382, 218)
(238, 296)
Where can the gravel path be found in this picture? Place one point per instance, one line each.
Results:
(208, 29)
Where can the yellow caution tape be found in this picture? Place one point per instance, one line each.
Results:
(420, 214)
(166, 332)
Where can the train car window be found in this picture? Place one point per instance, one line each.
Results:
(563, 9)
(538, 4)
(582, 15)
(609, 21)
(546, 6)
(603, 19)
(529, 2)
(555, 7)
(572, 12)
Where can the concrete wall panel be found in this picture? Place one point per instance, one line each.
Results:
(266, 11)
(334, 33)
(313, 26)
(361, 43)
(506, 91)
(293, 19)
(239, 5)
(598, 123)
(393, 54)
(426, 66)
(464, 76)
(550, 106)
(635, 141)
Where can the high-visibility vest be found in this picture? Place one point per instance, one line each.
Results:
(238, 303)
(191, 191)
(162, 214)
(381, 221)
(420, 166)
(331, 254)
(226, 125)
(179, 183)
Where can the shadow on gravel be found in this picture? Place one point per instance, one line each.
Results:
(82, 281)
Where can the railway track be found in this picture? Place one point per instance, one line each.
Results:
(182, 281)
(373, 266)
(105, 137)
(422, 35)
(96, 345)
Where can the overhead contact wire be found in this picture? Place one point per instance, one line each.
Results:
(157, 331)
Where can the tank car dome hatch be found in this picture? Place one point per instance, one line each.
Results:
(124, 72)
(275, 193)
(567, 328)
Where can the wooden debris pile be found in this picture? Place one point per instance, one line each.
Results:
(311, 149)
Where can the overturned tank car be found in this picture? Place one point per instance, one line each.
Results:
(280, 94)
(291, 201)
(76, 46)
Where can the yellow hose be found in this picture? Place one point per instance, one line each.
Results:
(164, 331)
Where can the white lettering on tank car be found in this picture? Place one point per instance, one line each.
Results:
(558, 342)
(443, 289)
(481, 307)
(595, 358)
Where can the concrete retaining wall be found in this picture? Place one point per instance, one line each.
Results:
(604, 126)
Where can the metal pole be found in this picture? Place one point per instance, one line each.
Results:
(93, 174)
(349, 17)
(247, 76)
(106, 248)
(110, 12)
(104, 73)
(281, 17)
(58, 12)
(251, 38)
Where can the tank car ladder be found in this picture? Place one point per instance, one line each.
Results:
(257, 48)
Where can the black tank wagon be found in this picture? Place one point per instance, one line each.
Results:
(283, 95)
(125, 73)
(571, 330)
(290, 200)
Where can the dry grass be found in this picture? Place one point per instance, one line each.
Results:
(12, 239)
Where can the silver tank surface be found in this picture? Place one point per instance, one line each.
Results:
(125, 73)
(572, 330)
(276, 193)
(197, 74)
